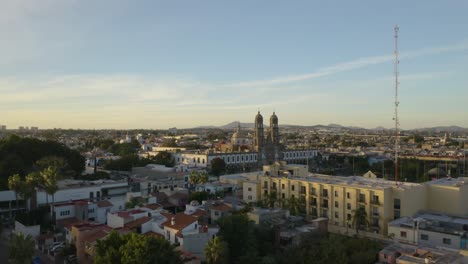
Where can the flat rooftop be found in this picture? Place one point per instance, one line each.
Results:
(434, 222)
(354, 181)
(454, 182)
(74, 184)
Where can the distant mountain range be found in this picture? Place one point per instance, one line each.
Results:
(449, 129)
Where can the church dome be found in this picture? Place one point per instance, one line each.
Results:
(274, 118)
(259, 118)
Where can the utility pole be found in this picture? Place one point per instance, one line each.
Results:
(397, 123)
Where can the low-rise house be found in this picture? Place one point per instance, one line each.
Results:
(179, 225)
(434, 230)
(262, 215)
(408, 254)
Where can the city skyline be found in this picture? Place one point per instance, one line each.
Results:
(77, 64)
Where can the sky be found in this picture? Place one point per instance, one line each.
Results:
(159, 64)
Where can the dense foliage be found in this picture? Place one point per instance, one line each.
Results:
(20, 156)
(218, 166)
(125, 163)
(21, 249)
(135, 248)
(240, 241)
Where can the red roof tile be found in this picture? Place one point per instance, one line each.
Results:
(138, 222)
(181, 221)
(104, 203)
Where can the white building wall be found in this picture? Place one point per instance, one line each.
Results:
(101, 214)
(34, 230)
(115, 221)
(146, 227)
(64, 212)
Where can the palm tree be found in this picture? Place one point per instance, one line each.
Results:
(21, 248)
(216, 251)
(294, 205)
(271, 199)
(33, 180)
(15, 184)
(50, 177)
(360, 218)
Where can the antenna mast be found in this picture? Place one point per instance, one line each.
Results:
(397, 122)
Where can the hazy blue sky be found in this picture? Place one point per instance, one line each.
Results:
(159, 64)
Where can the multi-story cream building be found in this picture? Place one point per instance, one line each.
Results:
(336, 197)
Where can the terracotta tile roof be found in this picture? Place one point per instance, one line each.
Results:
(199, 213)
(71, 203)
(104, 203)
(69, 222)
(153, 206)
(123, 214)
(91, 226)
(94, 235)
(221, 207)
(181, 221)
(136, 211)
(138, 222)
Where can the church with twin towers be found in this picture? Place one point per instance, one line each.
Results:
(267, 145)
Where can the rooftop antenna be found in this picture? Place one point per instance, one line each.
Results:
(397, 122)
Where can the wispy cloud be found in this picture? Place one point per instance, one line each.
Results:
(351, 65)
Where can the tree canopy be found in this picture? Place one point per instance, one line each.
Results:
(21, 248)
(218, 166)
(135, 248)
(20, 155)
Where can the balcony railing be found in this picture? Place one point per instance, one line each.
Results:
(324, 205)
(324, 194)
(313, 203)
(375, 202)
(314, 193)
(362, 200)
(375, 214)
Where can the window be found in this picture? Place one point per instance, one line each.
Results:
(447, 241)
(362, 198)
(348, 195)
(336, 193)
(303, 190)
(265, 184)
(292, 196)
(325, 193)
(396, 214)
(250, 197)
(292, 187)
(282, 195)
(403, 234)
(424, 237)
(336, 214)
(216, 213)
(313, 191)
(250, 189)
(396, 204)
(348, 206)
(336, 204)
(282, 186)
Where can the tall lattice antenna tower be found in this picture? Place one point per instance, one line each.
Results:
(397, 122)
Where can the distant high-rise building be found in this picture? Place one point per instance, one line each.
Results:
(34, 128)
(2, 127)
